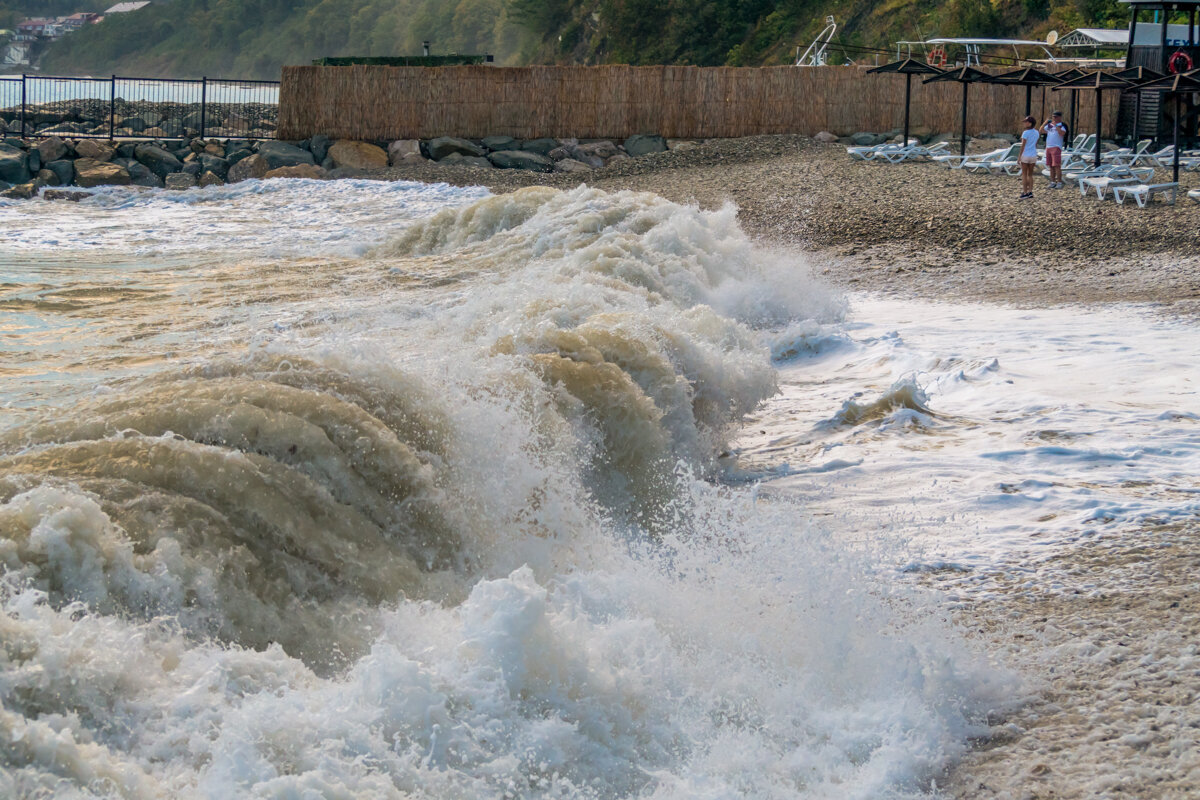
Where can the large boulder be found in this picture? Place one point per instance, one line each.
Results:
(282, 154)
(89, 172)
(404, 151)
(140, 175)
(459, 160)
(180, 180)
(65, 170)
(135, 124)
(160, 162)
(14, 165)
(298, 171)
(52, 149)
(357, 155)
(571, 165)
(865, 139)
(212, 179)
(521, 159)
(602, 149)
(254, 166)
(501, 143)
(319, 147)
(641, 144)
(443, 146)
(541, 146)
(48, 177)
(24, 191)
(214, 164)
(825, 137)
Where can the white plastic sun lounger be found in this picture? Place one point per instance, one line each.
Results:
(1103, 182)
(1144, 192)
(1000, 159)
(956, 161)
(1127, 156)
(1194, 194)
(913, 152)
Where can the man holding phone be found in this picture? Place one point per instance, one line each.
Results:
(1056, 135)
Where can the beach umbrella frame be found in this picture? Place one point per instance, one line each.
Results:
(965, 76)
(1178, 84)
(907, 67)
(1099, 81)
(1028, 77)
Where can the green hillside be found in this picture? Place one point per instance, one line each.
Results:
(253, 38)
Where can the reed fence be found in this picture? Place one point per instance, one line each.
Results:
(379, 103)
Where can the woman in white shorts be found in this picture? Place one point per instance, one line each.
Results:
(1028, 158)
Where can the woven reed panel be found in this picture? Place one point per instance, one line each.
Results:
(383, 103)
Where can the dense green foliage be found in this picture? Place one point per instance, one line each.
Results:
(252, 38)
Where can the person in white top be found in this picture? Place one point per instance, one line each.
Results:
(1028, 159)
(1056, 135)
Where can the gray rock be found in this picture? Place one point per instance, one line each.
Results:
(193, 168)
(60, 194)
(540, 146)
(644, 144)
(52, 149)
(254, 166)
(319, 146)
(864, 139)
(501, 143)
(180, 180)
(89, 172)
(237, 154)
(23, 191)
(139, 173)
(48, 177)
(602, 149)
(193, 119)
(214, 164)
(14, 165)
(443, 146)
(571, 165)
(135, 124)
(33, 161)
(521, 159)
(826, 137)
(458, 159)
(64, 169)
(282, 154)
(211, 179)
(160, 162)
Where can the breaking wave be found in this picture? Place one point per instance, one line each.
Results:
(466, 539)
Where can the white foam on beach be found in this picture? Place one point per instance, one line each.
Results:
(980, 432)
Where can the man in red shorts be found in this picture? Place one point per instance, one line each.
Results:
(1056, 135)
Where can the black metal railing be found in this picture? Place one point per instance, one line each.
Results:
(38, 106)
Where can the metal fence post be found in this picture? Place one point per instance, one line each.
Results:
(23, 76)
(203, 102)
(112, 109)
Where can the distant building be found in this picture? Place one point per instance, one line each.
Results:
(77, 21)
(124, 8)
(32, 29)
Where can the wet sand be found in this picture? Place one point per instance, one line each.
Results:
(1108, 634)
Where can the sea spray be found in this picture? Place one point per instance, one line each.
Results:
(459, 536)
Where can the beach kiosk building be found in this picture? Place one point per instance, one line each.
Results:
(1164, 35)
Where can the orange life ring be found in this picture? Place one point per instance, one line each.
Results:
(936, 57)
(1179, 62)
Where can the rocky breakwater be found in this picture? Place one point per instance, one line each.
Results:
(27, 166)
(151, 120)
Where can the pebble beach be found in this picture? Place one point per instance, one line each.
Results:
(1109, 652)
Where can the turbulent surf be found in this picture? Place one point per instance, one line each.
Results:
(350, 489)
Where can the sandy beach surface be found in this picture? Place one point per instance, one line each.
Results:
(1112, 650)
